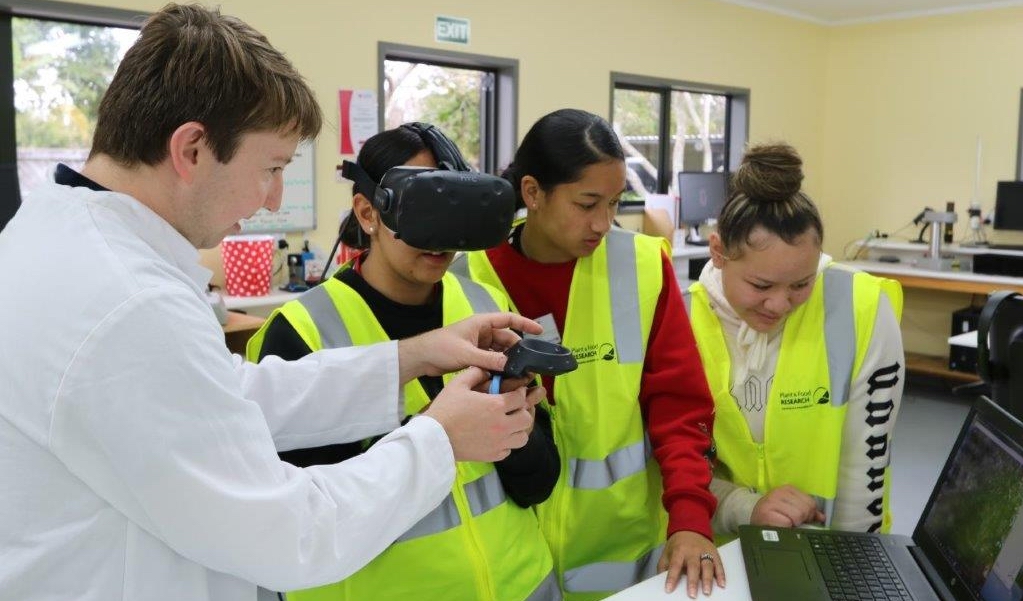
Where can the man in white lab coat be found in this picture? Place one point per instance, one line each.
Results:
(138, 457)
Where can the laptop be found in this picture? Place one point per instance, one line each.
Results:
(968, 544)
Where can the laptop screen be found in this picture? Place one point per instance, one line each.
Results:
(971, 530)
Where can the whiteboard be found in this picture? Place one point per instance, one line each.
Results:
(298, 206)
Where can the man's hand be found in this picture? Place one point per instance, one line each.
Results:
(477, 341)
(786, 507)
(696, 555)
(480, 426)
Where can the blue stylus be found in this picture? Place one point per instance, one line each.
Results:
(495, 384)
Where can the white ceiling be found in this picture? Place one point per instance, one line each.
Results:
(843, 12)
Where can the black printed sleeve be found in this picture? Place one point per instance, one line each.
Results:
(529, 473)
(283, 341)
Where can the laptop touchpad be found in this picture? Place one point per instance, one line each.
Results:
(786, 563)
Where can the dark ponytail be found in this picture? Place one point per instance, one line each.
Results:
(559, 146)
(390, 148)
(766, 192)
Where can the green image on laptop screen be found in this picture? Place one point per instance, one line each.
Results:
(974, 519)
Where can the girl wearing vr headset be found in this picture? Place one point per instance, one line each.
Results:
(612, 297)
(483, 541)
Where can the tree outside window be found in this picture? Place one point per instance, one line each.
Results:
(61, 71)
(667, 127)
(447, 97)
(698, 126)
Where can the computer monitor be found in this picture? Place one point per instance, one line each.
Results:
(701, 196)
(1009, 206)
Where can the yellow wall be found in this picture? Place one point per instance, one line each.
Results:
(566, 52)
(886, 115)
(905, 102)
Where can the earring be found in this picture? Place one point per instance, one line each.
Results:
(371, 229)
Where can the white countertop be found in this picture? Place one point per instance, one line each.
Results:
(904, 268)
(689, 251)
(736, 587)
(274, 299)
(921, 247)
(968, 339)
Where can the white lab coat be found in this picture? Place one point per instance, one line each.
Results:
(138, 457)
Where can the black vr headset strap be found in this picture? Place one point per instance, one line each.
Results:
(987, 371)
(380, 197)
(444, 150)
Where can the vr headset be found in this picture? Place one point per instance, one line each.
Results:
(447, 209)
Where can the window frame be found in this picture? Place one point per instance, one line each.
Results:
(45, 10)
(498, 107)
(1019, 140)
(736, 119)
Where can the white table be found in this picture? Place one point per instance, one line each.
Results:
(929, 279)
(967, 339)
(271, 301)
(736, 587)
(680, 256)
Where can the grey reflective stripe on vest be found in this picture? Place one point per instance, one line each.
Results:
(839, 332)
(612, 575)
(484, 494)
(547, 590)
(624, 284)
(595, 474)
(460, 266)
(333, 333)
(443, 517)
(479, 299)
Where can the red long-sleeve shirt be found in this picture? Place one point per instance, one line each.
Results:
(674, 397)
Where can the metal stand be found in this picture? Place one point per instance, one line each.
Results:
(933, 259)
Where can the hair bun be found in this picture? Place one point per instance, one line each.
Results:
(769, 173)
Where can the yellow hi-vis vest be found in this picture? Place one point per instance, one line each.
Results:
(477, 544)
(823, 345)
(604, 521)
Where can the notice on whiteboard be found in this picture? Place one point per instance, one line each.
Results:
(298, 205)
(358, 118)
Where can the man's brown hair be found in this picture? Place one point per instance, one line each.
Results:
(191, 63)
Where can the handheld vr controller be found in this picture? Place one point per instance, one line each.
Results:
(532, 355)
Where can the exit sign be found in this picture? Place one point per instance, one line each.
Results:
(450, 29)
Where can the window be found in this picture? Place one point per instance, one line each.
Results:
(61, 70)
(1019, 142)
(671, 126)
(57, 61)
(471, 98)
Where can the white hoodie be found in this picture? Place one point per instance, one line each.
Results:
(754, 356)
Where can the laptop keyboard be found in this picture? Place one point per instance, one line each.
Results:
(856, 568)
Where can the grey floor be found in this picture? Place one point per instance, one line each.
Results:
(928, 423)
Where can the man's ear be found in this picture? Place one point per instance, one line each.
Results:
(186, 147)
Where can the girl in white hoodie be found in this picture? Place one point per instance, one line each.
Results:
(804, 358)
